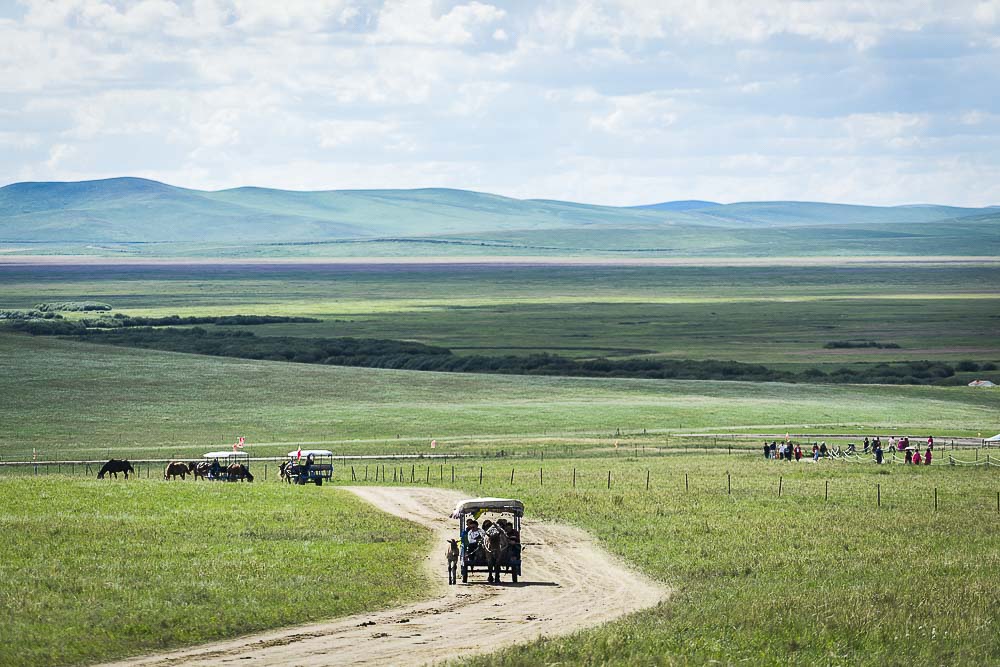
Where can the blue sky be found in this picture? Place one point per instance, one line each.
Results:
(616, 102)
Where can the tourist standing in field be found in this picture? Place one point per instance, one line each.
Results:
(916, 457)
(909, 456)
(927, 456)
(767, 450)
(878, 452)
(815, 452)
(798, 453)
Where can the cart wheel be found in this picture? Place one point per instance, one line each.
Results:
(465, 575)
(513, 577)
(319, 481)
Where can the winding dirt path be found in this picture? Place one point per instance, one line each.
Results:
(569, 583)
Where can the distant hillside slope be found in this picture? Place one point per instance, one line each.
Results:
(134, 210)
(684, 205)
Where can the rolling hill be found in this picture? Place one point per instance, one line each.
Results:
(139, 211)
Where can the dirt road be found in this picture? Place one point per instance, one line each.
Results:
(568, 583)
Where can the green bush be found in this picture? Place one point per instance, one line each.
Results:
(73, 306)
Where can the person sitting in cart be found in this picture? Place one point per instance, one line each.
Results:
(472, 536)
(215, 468)
(508, 528)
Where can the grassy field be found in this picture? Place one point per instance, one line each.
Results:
(68, 400)
(758, 578)
(779, 316)
(821, 574)
(793, 579)
(94, 571)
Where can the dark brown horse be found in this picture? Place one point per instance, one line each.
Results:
(495, 545)
(115, 466)
(238, 471)
(176, 469)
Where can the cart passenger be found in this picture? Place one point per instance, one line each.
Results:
(473, 536)
(215, 468)
(508, 528)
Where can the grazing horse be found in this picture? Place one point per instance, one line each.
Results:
(238, 471)
(452, 556)
(175, 469)
(285, 471)
(115, 466)
(495, 544)
(199, 469)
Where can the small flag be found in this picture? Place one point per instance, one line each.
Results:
(298, 454)
(239, 443)
(434, 443)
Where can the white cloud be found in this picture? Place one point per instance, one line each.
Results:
(613, 101)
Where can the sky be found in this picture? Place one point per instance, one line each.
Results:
(617, 102)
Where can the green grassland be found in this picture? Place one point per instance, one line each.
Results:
(758, 578)
(762, 579)
(99, 570)
(778, 316)
(68, 400)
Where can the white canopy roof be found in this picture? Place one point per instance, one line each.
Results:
(314, 452)
(515, 507)
(995, 438)
(226, 455)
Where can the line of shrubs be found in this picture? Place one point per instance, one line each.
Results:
(42, 324)
(72, 306)
(28, 315)
(121, 320)
(852, 344)
(379, 353)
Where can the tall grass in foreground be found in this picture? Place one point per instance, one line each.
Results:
(99, 570)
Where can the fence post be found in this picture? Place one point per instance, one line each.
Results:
(935, 499)
(441, 472)
(609, 480)
(394, 474)
(574, 478)
(353, 478)
(428, 480)
(539, 477)
(413, 472)
(512, 477)
(779, 486)
(366, 473)
(729, 484)
(453, 474)
(265, 472)
(878, 497)
(647, 479)
(480, 475)
(826, 496)
(685, 482)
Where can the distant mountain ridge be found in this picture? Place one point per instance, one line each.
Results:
(135, 210)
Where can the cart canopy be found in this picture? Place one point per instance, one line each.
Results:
(313, 452)
(509, 505)
(226, 455)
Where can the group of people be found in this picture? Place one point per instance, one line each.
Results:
(474, 535)
(788, 451)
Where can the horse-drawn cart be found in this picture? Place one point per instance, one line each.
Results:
(497, 548)
(312, 465)
(225, 466)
